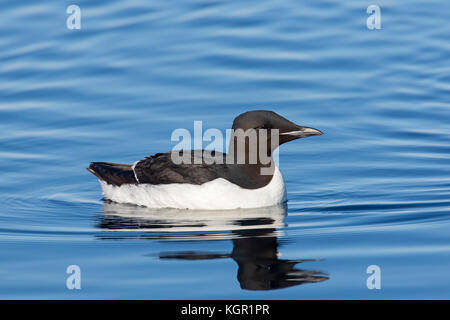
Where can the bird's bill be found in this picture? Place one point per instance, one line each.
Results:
(303, 132)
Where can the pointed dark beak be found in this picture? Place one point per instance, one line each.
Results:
(302, 132)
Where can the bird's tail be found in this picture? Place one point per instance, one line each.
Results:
(113, 173)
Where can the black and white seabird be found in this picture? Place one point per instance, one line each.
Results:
(205, 183)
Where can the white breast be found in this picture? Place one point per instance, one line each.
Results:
(214, 195)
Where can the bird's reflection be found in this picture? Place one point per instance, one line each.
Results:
(254, 233)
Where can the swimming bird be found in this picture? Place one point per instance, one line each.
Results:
(246, 177)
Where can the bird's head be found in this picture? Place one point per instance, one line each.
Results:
(269, 120)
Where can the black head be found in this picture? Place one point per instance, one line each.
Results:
(269, 120)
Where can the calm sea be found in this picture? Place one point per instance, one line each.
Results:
(373, 190)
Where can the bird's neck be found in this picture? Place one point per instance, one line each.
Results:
(248, 149)
(253, 160)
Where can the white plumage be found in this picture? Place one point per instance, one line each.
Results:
(218, 194)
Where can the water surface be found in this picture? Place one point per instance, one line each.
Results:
(374, 190)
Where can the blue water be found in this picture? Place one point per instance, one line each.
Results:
(373, 190)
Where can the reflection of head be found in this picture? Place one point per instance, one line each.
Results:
(260, 268)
